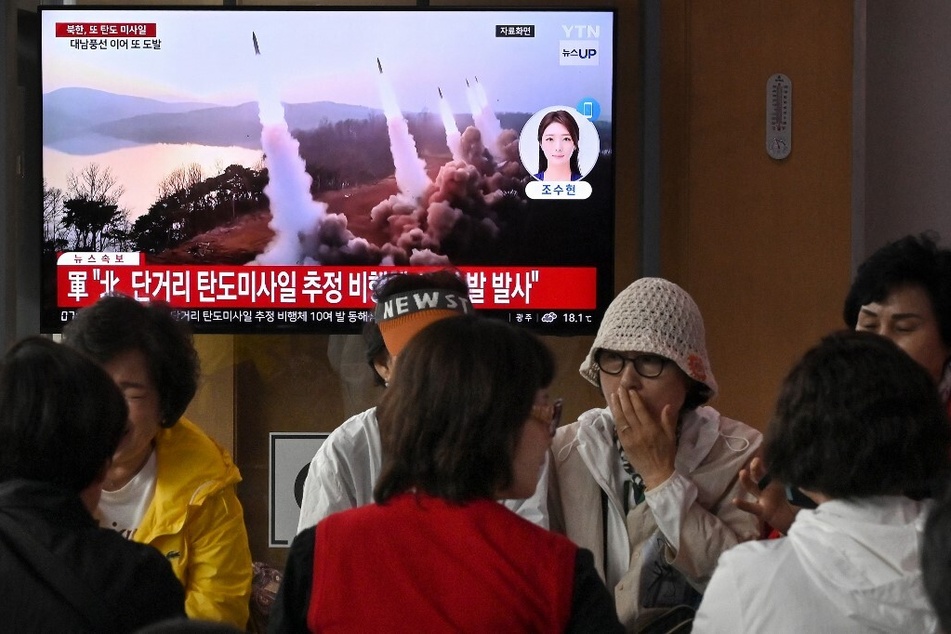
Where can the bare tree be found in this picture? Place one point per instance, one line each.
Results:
(180, 179)
(92, 207)
(54, 231)
(94, 182)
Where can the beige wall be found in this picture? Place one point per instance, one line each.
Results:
(762, 245)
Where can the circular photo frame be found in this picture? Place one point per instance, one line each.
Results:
(589, 142)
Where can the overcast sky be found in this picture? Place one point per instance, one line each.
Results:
(318, 54)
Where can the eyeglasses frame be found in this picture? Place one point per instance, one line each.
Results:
(633, 361)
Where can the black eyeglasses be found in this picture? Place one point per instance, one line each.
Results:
(549, 414)
(648, 366)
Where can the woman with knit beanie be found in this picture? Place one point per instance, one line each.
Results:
(647, 482)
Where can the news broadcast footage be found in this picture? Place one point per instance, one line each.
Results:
(260, 169)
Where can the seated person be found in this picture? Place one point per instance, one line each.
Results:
(645, 483)
(857, 424)
(169, 485)
(466, 421)
(347, 465)
(61, 419)
(902, 292)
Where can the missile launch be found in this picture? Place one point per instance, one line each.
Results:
(254, 39)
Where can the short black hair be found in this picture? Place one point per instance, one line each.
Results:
(61, 415)
(936, 558)
(857, 417)
(908, 261)
(118, 323)
(451, 419)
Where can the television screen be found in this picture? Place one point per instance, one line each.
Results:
(259, 168)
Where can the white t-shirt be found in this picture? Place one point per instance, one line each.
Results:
(123, 510)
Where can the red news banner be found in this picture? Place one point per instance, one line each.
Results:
(82, 278)
(106, 29)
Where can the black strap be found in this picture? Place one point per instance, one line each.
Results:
(43, 563)
(604, 530)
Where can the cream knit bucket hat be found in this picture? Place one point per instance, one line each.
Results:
(656, 316)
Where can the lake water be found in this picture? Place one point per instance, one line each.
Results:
(140, 169)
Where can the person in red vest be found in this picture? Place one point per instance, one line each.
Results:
(467, 421)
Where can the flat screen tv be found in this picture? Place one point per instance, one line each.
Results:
(260, 168)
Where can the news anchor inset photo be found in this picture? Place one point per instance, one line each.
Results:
(559, 144)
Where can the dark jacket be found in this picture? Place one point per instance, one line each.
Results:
(134, 582)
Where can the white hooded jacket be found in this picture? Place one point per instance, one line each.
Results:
(848, 566)
(692, 509)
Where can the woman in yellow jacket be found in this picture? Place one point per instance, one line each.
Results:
(169, 484)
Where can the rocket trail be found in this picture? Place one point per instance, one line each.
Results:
(294, 212)
(453, 137)
(410, 169)
(484, 118)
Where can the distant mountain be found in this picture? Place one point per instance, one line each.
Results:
(226, 125)
(69, 113)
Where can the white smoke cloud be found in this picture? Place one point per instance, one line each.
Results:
(294, 212)
(484, 118)
(453, 136)
(454, 212)
(410, 169)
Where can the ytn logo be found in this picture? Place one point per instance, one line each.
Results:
(581, 31)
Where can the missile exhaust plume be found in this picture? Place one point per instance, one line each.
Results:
(460, 213)
(480, 93)
(411, 175)
(453, 137)
(294, 213)
(484, 118)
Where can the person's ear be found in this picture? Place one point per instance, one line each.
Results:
(383, 365)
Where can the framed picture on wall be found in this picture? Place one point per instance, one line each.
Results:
(290, 456)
